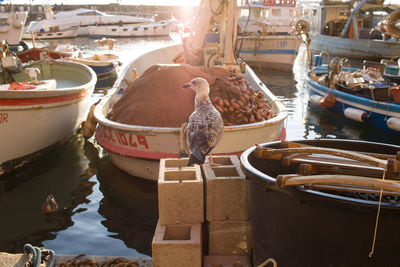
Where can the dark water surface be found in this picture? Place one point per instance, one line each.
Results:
(104, 211)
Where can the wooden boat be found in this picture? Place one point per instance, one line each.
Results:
(326, 218)
(52, 33)
(104, 65)
(34, 120)
(137, 149)
(377, 106)
(353, 35)
(264, 37)
(160, 28)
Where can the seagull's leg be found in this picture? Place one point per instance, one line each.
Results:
(211, 161)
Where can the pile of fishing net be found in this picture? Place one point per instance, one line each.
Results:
(157, 98)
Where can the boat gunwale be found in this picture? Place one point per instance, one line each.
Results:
(371, 104)
(248, 167)
(15, 94)
(100, 114)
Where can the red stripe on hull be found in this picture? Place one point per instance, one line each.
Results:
(42, 100)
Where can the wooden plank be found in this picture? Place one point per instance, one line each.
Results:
(270, 153)
(388, 185)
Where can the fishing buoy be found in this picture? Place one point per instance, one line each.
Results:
(356, 114)
(393, 123)
(328, 101)
(315, 99)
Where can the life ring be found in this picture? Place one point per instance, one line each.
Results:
(292, 3)
(265, 3)
(283, 3)
(271, 2)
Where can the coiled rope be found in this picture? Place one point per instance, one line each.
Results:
(39, 255)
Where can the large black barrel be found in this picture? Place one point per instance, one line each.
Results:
(300, 227)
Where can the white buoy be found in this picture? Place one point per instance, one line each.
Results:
(393, 123)
(315, 99)
(355, 114)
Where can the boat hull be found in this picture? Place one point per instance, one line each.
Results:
(71, 33)
(299, 227)
(156, 29)
(269, 52)
(378, 112)
(132, 145)
(355, 48)
(33, 120)
(105, 69)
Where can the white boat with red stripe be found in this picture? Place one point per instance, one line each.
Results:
(36, 116)
(137, 149)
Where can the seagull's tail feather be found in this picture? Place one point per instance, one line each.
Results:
(196, 157)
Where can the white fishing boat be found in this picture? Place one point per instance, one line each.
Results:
(81, 18)
(346, 31)
(41, 104)
(53, 33)
(264, 34)
(160, 28)
(137, 149)
(36, 117)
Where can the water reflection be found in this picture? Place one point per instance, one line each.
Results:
(60, 173)
(129, 207)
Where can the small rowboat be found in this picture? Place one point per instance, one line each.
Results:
(104, 65)
(377, 106)
(315, 202)
(36, 117)
(137, 149)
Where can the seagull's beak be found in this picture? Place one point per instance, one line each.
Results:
(186, 85)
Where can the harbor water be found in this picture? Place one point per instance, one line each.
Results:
(104, 211)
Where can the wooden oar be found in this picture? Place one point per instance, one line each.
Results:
(288, 144)
(310, 169)
(388, 185)
(350, 189)
(271, 153)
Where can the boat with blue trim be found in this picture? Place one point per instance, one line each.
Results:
(367, 96)
(265, 36)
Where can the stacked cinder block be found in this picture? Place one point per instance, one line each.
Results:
(227, 208)
(177, 239)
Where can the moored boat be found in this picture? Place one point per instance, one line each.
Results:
(36, 115)
(81, 17)
(265, 38)
(159, 28)
(53, 33)
(375, 103)
(137, 149)
(319, 221)
(351, 31)
(104, 65)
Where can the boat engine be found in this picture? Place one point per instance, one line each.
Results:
(391, 24)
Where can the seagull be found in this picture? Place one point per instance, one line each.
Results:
(205, 127)
(32, 74)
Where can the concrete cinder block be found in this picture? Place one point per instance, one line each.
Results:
(230, 237)
(180, 193)
(226, 261)
(177, 245)
(226, 190)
